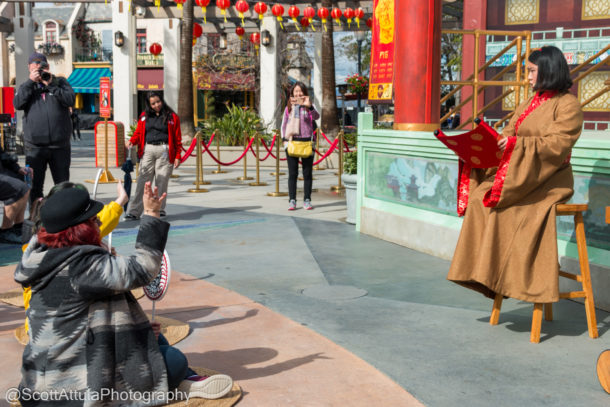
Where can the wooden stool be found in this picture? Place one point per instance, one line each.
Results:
(584, 278)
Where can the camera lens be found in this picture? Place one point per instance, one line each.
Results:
(44, 75)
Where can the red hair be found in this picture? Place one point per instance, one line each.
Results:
(85, 233)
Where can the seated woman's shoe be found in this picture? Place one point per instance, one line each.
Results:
(207, 387)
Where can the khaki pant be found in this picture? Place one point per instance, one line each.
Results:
(154, 164)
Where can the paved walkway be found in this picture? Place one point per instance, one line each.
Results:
(304, 311)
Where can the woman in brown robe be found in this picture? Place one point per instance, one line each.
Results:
(508, 241)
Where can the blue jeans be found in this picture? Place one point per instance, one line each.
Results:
(175, 363)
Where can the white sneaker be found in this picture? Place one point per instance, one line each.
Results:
(212, 387)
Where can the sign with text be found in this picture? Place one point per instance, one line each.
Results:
(382, 53)
(105, 105)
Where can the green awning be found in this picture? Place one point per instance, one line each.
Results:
(87, 80)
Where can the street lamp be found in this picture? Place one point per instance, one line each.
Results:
(342, 91)
(360, 35)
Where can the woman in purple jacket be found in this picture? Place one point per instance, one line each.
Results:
(299, 99)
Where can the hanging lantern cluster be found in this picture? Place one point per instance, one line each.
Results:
(203, 4)
(223, 5)
(278, 12)
(242, 7)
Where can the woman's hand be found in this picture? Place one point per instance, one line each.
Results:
(152, 201)
(502, 143)
(156, 328)
(128, 144)
(176, 163)
(305, 101)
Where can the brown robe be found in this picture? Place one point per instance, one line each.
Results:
(510, 246)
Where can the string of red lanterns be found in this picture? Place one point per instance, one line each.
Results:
(336, 14)
(323, 14)
(260, 8)
(310, 13)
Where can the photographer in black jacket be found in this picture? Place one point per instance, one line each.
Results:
(46, 100)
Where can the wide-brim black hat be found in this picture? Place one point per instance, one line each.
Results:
(67, 208)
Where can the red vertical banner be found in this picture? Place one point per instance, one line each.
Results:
(105, 104)
(382, 53)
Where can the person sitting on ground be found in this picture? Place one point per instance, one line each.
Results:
(88, 333)
(14, 193)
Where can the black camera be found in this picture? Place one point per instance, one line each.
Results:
(44, 75)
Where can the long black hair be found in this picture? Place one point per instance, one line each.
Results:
(291, 92)
(553, 70)
(165, 109)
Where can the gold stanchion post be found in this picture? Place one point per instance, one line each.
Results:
(219, 170)
(245, 176)
(318, 167)
(199, 163)
(258, 182)
(199, 138)
(278, 142)
(277, 170)
(339, 186)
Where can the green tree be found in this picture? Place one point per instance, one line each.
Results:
(349, 49)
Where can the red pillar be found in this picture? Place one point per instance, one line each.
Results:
(417, 58)
(475, 18)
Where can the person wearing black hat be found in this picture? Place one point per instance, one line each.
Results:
(46, 100)
(88, 334)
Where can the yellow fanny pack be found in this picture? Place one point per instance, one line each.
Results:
(301, 149)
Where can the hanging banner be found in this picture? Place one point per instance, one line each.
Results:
(105, 105)
(382, 53)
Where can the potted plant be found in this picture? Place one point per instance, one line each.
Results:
(357, 84)
(350, 180)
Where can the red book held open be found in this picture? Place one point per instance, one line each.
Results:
(478, 147)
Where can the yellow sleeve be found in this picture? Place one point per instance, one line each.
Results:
(109, 216)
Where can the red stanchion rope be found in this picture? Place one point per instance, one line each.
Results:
(188, 152)
(332, 147)
(232, 162)
(270, 152)
(268, 149)
(345, 150)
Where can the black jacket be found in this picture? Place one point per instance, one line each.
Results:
(47, 121)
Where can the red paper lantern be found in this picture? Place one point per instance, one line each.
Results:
(179, 3)
(223, 5)
(349, 14)
(310, 13)
(242, 6)
(278, 11)
(336, 14)
(197, 30)
(294, 12)
(323, 14)
(304, 22)
(255, 38)
(240, 32)
(260, 8)
(369, 22)
(155, 48)
(203, 4)
(358, 13)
